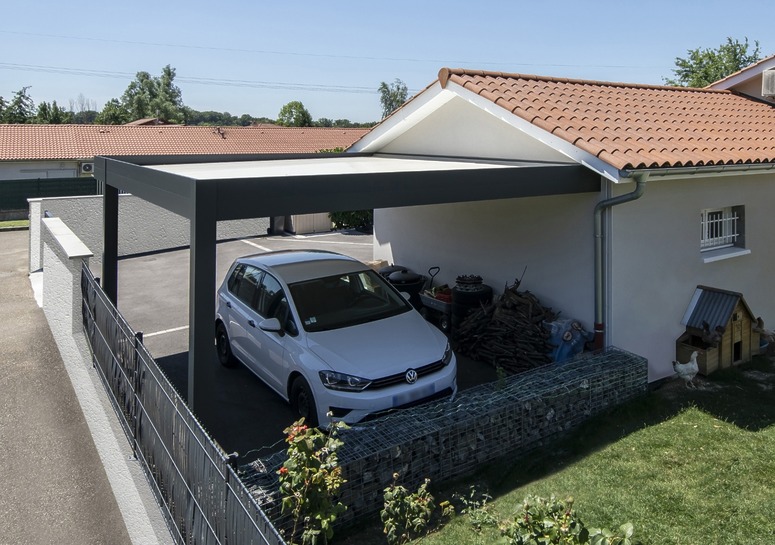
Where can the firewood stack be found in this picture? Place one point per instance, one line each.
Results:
(507, 333)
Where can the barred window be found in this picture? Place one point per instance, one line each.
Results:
(721, 228)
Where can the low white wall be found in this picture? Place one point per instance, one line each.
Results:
(142, 227)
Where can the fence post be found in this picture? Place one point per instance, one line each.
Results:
(136, 382)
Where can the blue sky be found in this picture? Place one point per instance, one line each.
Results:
(253, 57)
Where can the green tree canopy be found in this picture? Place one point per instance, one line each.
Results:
(392, 96)
(147, 96)
(702, 67)
(21, 108)
(294, 114)
(52, 114)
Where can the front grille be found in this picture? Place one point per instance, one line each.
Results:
(400, 378)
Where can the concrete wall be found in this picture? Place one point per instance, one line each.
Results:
(143, 227)
(657, 264)
(499, 240)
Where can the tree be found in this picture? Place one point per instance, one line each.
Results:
(21, 108)
(147, 96)
(294, 114)
(392, 96)
(52, 114)
(114, 113)
(702, 67)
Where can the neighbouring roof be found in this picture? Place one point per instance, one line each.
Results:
(45, 142)
(754, 69)
(712, 306)
(631, 126)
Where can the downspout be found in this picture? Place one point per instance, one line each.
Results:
(640, 187)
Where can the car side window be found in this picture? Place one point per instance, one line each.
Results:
(273, 303)
(247, 290)
(235, 277)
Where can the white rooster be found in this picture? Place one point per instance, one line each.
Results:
(688, 370)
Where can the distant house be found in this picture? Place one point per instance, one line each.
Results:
(685, 196)
(64, 151)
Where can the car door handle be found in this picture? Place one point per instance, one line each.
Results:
(228, 304)
(251, 323)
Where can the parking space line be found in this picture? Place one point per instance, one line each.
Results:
(262, 248)
(173, 330)
(304, 239)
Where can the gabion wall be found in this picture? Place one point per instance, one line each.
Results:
(448, 439)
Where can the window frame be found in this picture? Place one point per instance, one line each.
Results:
(722, 228)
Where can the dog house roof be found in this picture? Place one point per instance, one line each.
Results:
(714, 306)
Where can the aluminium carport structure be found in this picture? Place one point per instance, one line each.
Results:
(207, 189)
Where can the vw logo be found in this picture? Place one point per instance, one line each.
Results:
(411, 376)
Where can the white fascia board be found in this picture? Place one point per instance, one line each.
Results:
(745, 75)
(403, 119)
(562, 146)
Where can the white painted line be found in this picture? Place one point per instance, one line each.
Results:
(173, 330)
(262, 248)
(304, 239)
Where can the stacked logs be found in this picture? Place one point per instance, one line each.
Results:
(507, 333)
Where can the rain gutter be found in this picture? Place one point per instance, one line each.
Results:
(640, 187)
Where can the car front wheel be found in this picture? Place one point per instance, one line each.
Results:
(223, 347)
(303, 402)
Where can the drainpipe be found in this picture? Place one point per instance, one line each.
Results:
(640, 187)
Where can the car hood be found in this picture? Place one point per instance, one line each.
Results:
(381, 348)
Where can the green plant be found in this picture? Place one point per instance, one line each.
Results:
(474, 506)
(623, 536)
(545, 522)
(310, 479)
(355, 219)
(406, 515)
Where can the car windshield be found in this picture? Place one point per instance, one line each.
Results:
(345, 300)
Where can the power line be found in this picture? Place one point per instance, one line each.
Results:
(193, 79)
(437, 62)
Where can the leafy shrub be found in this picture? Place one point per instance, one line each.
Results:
(474, 506)
(356, 219)
(309, 480)
(406, 515)
(598, 536)
(545, 522)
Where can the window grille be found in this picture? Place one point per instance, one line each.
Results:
(721, 228)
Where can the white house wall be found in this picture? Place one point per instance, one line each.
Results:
(32, 170)
(550, 239)
(462, 130)
(656, 263)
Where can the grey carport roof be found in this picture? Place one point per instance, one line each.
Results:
(207, 189)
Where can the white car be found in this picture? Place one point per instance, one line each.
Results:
(330, 335)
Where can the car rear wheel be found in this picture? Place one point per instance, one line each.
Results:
(223, 347)
(303, 402)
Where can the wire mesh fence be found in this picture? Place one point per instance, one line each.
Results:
(202, 497)
(447, 439)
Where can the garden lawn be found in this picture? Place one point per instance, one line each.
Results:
(689, 467)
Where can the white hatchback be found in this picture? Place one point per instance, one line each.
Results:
(330, 335)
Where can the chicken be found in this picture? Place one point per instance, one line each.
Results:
(766, 334)
(712, 338)
(687, 371)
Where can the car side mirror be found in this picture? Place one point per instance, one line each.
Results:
(271, 325)
(406, 295)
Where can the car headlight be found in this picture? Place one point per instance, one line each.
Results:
(447, 355)
(340, 381)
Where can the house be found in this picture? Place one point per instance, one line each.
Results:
(65, 151)
(685, 196)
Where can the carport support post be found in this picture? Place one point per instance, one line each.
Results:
(201, 296)
(110, 243)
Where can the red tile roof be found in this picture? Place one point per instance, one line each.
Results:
(43, 142)
(633, 126)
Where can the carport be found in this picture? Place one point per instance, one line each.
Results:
(208, 189)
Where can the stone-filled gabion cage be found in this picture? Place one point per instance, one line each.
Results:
(447, 439)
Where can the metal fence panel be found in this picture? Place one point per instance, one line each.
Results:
(14, 193)
(203, 499)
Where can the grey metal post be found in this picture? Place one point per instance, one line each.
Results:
(110, 243)
(201, 300)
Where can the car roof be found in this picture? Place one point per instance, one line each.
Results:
(299, 265)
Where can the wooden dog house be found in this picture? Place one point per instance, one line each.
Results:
(720, 327)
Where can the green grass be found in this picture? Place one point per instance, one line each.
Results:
(14, 223)
(689, 467)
